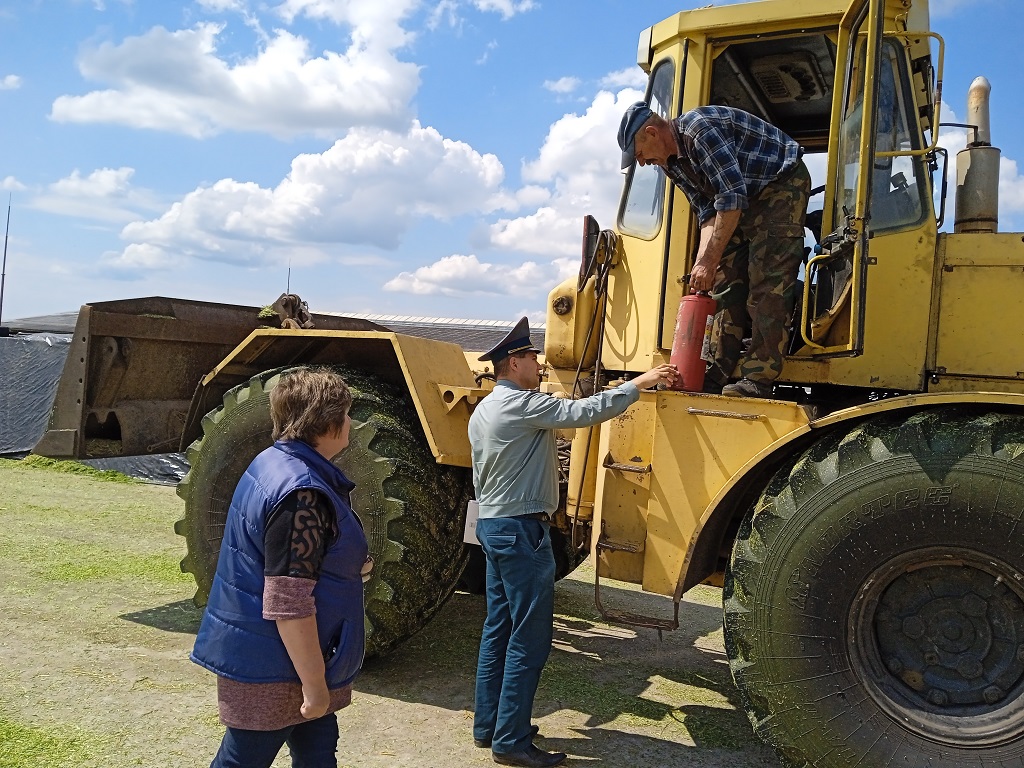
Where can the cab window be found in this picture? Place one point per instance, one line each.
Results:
(643, 201)
(897, 183)
(898, 188)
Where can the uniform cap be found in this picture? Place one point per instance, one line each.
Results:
(516, 340)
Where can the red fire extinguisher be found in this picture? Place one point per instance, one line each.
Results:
(689, 344)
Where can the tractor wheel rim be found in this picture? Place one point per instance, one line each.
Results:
(937, 638)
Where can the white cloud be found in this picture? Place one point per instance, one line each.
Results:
(631, 77)
(10, 83)
(491, 46)
(448, 11)
(374, 23)
(104, 195)
(465, 276)
(142, 257)
(579, 162)
(507, 8)
(11, 184)
(367, 189)
(175, 81)
(562, 85)
(105, 182)
(547, 231)
(1011, 189)
(100, 5)
(445, 10)
(220, 6)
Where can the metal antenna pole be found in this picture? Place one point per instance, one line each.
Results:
(288, 283)
(3, 270)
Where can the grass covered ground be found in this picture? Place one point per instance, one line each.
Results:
(99, 621)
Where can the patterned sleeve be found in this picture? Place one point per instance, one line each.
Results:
(297, 535)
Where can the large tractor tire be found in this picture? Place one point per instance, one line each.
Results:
(874, 607)
(412, 509)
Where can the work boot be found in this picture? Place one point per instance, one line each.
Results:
(534, 733)
(531, 757)
(748, 388)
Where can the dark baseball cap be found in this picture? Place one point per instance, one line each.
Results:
(634, 119)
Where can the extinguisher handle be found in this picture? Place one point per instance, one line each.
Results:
(685, 280)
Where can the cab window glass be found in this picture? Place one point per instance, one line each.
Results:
(644, 197)
(848, 167)
(897, 183)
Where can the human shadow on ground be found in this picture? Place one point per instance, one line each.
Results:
(634, 695)
(615, 677)
(181, 616)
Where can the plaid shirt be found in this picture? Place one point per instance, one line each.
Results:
(727, 156)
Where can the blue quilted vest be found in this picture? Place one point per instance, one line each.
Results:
(234, 639)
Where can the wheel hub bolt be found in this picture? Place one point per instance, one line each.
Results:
(970, 669)
(913, 627)
(992, 694)
(931, 658)
(973, 605)
(937, 697)
(895, 665)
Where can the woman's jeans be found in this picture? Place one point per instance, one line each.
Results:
(313, 744)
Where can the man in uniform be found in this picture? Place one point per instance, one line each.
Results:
(748, 186)
(515, 473)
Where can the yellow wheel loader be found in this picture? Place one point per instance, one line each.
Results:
(866, 522)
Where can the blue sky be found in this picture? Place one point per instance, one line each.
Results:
(415, 157)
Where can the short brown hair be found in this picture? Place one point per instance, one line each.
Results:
(501, 367)
(308, 403)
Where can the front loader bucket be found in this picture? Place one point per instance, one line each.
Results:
(133, 367)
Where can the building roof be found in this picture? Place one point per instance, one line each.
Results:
(471, 335)
(61, 322)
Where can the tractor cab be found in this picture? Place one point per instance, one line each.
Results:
(847, 80)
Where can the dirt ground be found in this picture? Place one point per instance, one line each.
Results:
(98, 623)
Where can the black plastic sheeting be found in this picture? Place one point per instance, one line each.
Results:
(160, 468)
(30, 368)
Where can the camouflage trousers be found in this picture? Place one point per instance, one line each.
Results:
(755, 286)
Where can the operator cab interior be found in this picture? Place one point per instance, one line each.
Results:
(787, 82)
(790, 80)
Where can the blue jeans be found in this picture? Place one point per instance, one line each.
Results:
(312, 744)
(517, 633)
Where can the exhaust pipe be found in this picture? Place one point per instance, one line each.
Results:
(977, 168)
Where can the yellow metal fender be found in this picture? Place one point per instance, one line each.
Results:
(435, 373)
(701, 557)
(662, 464)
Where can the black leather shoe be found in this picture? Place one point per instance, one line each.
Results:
(534, 733)
(531, 757)
(711, 388)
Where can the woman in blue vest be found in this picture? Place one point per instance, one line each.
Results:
(283, 629)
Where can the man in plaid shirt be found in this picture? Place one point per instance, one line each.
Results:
(748, 186)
